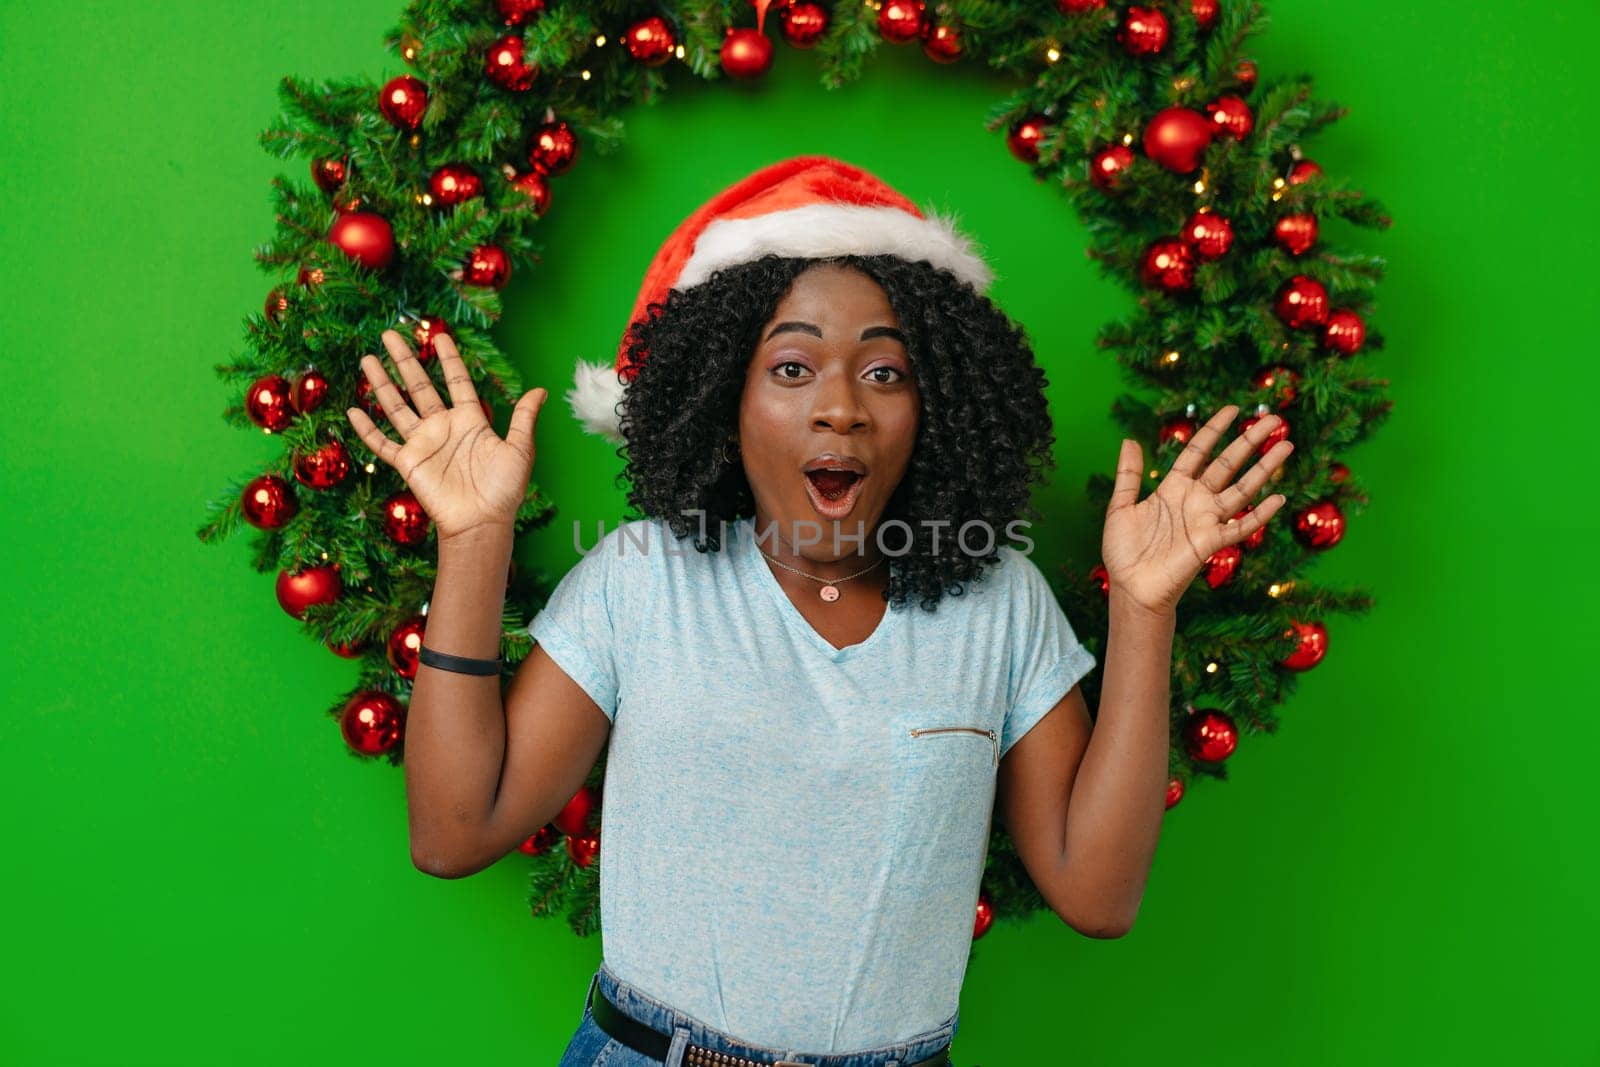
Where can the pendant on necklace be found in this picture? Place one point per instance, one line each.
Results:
(829, 593)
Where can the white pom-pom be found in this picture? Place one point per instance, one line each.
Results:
(594, 396)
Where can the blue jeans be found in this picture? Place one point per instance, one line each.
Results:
(593, 1047)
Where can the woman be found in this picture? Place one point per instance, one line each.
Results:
(823, 420)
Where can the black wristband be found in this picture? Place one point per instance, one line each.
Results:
(459, 664)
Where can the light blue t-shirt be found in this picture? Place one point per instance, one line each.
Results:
(783, 855)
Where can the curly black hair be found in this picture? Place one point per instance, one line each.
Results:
(983, 437)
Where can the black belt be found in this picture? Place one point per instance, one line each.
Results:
(653, 1043)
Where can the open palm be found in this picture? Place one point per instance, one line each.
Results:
(1153, 548)
(464, 475)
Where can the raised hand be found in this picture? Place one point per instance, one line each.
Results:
(1153, 548)
(465, 476)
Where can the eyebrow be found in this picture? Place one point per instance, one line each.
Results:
(866, 334)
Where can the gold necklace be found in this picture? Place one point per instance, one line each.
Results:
(829, 591)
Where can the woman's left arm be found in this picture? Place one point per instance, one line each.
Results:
(1085, 806)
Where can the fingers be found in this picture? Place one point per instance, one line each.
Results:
(1130, 464)
(1245, 489)
(401, 417)
(523, 419)
(418, 384)
(1199, 446)
(1225, 466)
(371, 436)
(456, 376)
(1236, 530)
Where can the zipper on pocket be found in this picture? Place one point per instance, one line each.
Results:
(990, 734)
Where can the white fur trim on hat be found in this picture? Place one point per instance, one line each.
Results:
(830, 229)
(594, 396)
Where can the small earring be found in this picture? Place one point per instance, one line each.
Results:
(733, 458)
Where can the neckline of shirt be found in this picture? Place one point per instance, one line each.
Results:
(749, 551)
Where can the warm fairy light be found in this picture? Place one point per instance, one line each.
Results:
(416, 139)
(1277, 196)
(1211, 668)
(425, 198)
(1277, 183)
(679, 51)
(1155, 474)
(1127, 138)
(1199, 187)
(1172, 357)
(600, 41)
(1277, 589)
(1052, 55)
(324, 555)
(585, 75)
(370, 468)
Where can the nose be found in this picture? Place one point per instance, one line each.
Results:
(838, 405)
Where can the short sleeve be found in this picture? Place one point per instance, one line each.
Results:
(1047, 659)
(580, 624)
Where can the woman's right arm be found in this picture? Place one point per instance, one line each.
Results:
(480, 779)
(481, 776)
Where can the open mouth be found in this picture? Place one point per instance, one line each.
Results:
(833, 492)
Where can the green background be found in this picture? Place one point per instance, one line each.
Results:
(198, 872)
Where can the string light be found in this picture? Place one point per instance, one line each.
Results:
(679, 51)
(1052, 55)
(370, 468)
(585, 75)
(1277, 589)
(1127, 138)
(324, 555)
(600, 41)
(1173, 356)
(1199, 187)
(1211, 668)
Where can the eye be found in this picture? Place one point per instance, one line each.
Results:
(898, 375)
(778, 370)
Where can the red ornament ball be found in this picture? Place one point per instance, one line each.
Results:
(1108, 165)
(1255, 539)
(1179, 430)
(1168, 264)
(267, 402)
(584, 849)
(404, 520)
(1223, 564)
(372, 722)
(983, 917)
(746, 53)
(1143, 31)
(900, 21)
(1023, 138)
(1102, 578)
(489, 265)
(804, 23)
(310, 277)
(365, 237)
(1296, 233)
(536, 188)
(454, 183)
(1205, 13)
(1301, 302)
(1312, 638)
(329, 173)
(540, 841)
(403, 101)
(369, 400)
(309, 391)
(576, 816)
(426, 331)
(1337, 473)
(1344, 331)
(1279, 381)
(404, 646)
(649, 41)
(298, 590)
(941, 43)
(1274, 435)
(1078, 7)
(1174, 792)
(346, 649)
(553, 148)
(322, 468)
(505, 66)
(267, 502)
(1209, 234)
(1210, 736)
(1320, 526)
(1304, 171)
(1230, 114)
(1176, 137)
(517, 12)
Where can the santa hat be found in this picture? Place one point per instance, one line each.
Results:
(807, 206)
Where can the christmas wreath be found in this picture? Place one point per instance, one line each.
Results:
(426, 191)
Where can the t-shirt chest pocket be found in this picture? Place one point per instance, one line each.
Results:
(944, 781)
